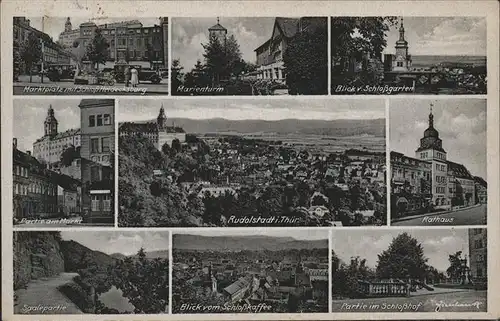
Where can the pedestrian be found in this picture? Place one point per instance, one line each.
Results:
(134, 78)
(126, 74)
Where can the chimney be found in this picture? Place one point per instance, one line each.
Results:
(14, 143)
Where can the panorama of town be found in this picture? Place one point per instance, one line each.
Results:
(286, 172)
(251, 274)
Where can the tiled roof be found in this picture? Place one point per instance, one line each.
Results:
(459, 170)
(289, 26)
(241, 283)
(67, 133)
(217, 27)
(96, 102)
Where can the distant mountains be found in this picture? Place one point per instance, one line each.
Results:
(251, 243)
(339, 127)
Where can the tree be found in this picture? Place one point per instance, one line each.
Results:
(177, 75)
(31, 52)
(306, 62)
(144, 282)
(198, 76)
(97, 49)
(165, 149)
(176, 145)
(68, 155)
(215, 60)
(402, 260)
(455, 270)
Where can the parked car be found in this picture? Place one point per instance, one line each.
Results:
(60, 72)
(145, 74)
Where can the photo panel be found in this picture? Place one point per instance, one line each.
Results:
(91, 272)
(405, 270)
(438, 161)
(242, 162)
(250, 271)
(390, 55)
(90, 56)
(63, 163)
(249, 56)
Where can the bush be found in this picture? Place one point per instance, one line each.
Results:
(79, 296)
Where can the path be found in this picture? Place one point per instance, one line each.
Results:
(43, 294)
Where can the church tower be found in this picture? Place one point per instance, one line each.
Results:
(67, 25)
(50, 123)
(431, 150)
(219, 32)
(401, 57)
(162, 119)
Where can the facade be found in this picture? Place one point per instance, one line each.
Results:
(97, 150)
(49, 148)
(478, 241)
(411, 181)
(461, 188)
(52, 53)
(34, 190)
(481, 190)
(128, 40)
(269, 55)
(218, 32)
(238, 289)
(159, 133)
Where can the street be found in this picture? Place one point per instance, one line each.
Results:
(44, 294)
(458, 301)
(470, 216)
(67, 87)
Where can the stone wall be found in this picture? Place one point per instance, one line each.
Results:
(36, 255)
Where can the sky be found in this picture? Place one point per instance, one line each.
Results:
(241, 109)
(53, 26)
(298, 234)
(189, 33)
(461, 124)
(127, 243)
(367, 244)
(441, 36)
(29, 115)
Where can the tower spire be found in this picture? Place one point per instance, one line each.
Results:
(217, 20)
(402, 30)
(431, 117)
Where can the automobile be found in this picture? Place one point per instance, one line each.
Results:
(163, 72)
(60, 72)
(145, 74)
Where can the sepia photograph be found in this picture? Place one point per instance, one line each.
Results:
(90, 56)
(431, 270)
(408, 55)
(438, 162)
(249, 56)
(63, 158)
(250, 272)
(209, 163)
(91, 272)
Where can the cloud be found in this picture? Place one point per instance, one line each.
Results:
(455, 36)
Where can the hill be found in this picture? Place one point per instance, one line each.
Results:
(251, 243)
(75, 254)
(338, 127)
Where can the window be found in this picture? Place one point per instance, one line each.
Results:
(106, 202)
(95, 203)
(95, 174)
(146, 30)
(99, 120)
(138, 42)
(112, 31)
(91, 121)
(138, 31)
(94, 145)
(105, 144)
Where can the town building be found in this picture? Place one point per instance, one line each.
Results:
(461, 187)
(237, 290)
(431, 149)
(401, 60)
(97, 150)
(159, 133)
(481, 190)
(218, 32)
(48, 149)
(478, 254)
(269, 55)
(129, 41)
(410, 182)
(52, 53)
